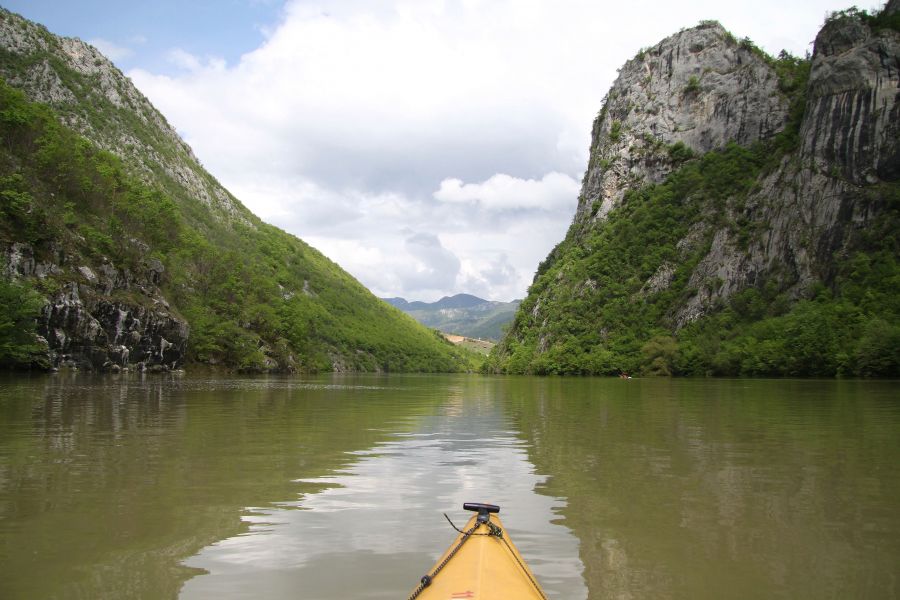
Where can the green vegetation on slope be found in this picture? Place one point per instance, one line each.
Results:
(877, 21)
(852, 328)
(131, 125)
(19, 306)
(587, 311)
(252, 294)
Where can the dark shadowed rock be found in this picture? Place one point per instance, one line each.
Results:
(88, 323)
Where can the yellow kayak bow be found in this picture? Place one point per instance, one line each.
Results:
(481, 564)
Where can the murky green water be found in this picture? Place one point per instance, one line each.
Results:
(160, 487)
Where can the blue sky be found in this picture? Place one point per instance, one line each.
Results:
(429, 147)
(146, 31)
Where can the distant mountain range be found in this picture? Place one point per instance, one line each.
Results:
(462, 314)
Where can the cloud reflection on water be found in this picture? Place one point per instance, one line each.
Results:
(371, 529)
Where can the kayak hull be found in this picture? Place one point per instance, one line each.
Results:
(485, 565)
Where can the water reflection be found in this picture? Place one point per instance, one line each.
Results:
(134, 487)
(712, 489)
(74, 516)
(371, 529)
(108, 483)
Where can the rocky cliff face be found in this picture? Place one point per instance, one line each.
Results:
(702, 91)
(815, 204)
(700, 87)
(102, 318)
(852, 122)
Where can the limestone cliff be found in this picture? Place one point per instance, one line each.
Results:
(700, 87)
(101, 316)
(745, 179)
(813, 205)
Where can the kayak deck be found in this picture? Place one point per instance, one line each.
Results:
(482, 563)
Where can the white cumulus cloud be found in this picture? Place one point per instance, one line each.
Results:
(503, 192)
(429, 147)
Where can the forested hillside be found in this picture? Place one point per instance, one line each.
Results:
(740, 215)
(128, 254)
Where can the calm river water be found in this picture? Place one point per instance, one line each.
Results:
(195, 487)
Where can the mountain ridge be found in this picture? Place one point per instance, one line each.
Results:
(461, 314)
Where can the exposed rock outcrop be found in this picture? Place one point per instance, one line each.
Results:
(103, 318)
(852, 120)
(98, 316)
(813, 205)
(699, 87)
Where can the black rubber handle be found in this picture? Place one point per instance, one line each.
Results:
(481, 508)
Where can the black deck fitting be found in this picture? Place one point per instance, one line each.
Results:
(484, 510)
